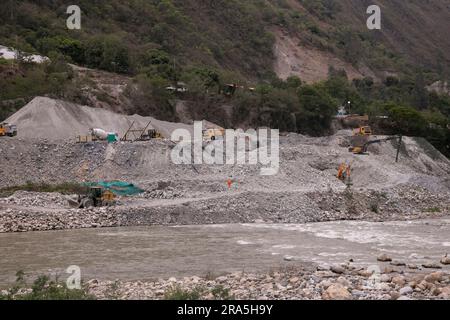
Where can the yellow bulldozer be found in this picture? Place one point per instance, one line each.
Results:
(153, 134)
(7, 129)
(94, 197)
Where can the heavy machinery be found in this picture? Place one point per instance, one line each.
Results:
(86, 139)
(7, 129)
(362, 131)
(213, 134)
(144, 134)
(151, 134)
(362, 149)
(94, 197)
(101, 134)
(98, 135)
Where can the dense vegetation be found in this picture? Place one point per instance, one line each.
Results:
(209, 43)
(122, 36)
(22, 81)
(397, 106)
(43, 288)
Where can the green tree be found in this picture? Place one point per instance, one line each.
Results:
(108, 53)
(318, 109)
(407, 120)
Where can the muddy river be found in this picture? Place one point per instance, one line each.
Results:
(144, 253)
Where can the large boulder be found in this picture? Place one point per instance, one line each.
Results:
(336, 292)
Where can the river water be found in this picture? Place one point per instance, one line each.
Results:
(145, 253)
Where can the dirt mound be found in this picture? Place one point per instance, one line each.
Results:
(45, 118)
(306, 164)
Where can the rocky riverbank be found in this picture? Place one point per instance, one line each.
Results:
(338, 282)
(31, 211)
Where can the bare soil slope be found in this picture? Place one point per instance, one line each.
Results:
(309, 64)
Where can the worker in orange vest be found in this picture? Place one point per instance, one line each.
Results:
(229, 183)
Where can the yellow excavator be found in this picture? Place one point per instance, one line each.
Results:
(362, 131)
(362, 149)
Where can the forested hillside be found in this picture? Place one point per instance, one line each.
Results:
(209, 43)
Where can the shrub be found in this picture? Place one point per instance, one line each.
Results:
(108, 53)
(177, 293)
(374, 207)
(221, 293)
(318, 109)
(43, 289)
(64, 188)
(407, 120)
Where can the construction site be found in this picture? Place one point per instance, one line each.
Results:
(225, 150)
(126, 178)
(350, 175)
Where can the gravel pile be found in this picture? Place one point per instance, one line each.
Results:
(166, 193)
(309, 164)
(20, 220)
(305, 189)
(52, 119)
(36, 199)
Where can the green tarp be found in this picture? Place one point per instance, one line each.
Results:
(112, 138)
(117, 187)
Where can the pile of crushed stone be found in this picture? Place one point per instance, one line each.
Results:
(45, 118)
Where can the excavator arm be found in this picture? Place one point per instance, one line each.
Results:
(367, 144)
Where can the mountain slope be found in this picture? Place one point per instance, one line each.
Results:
(234, 35)
(416, 30)
(257, 44)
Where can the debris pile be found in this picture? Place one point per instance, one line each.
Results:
(21, 220)
(306, 188)
(341, 282)
(36, 199)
